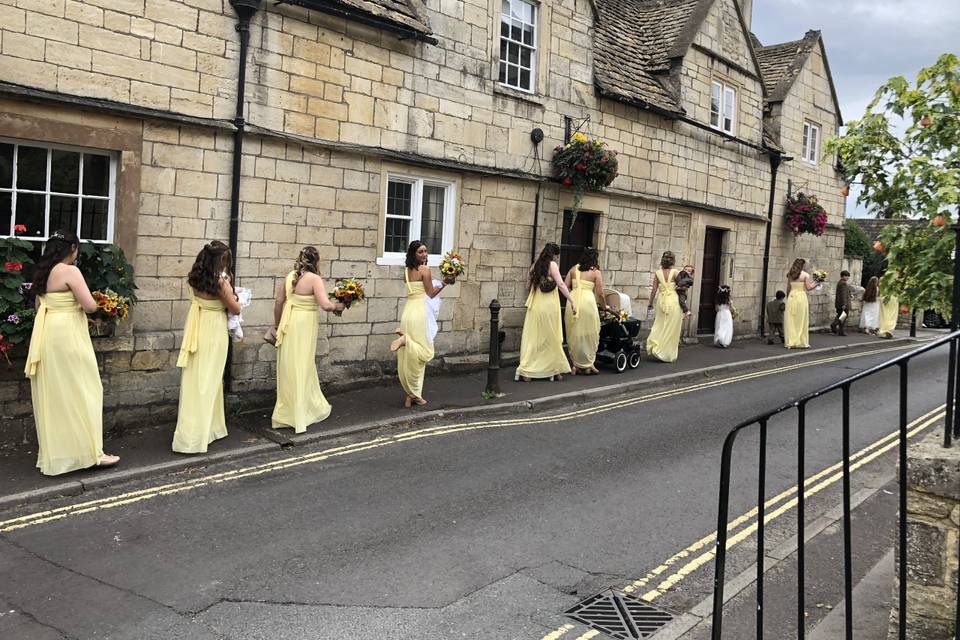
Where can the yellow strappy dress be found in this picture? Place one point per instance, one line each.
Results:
(889, 314)
(65, 386)
(413, 356)
(663, 343)
(583, 329)
(541, 343)
(796, 320)
(203, 355)
(300, 402)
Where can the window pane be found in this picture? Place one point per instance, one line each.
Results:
(504, 29)
(63, 212)
(398, 198)
(525, 80)
(96, 175)
(527, 12)
(515, 31)
(6, 200)
(431, 224)
(397, 236)
(512, 76)
(503, 49)
(503, 72)
(31, 168)
(93, 225)
(528, 35)
(30, 210)
(525, 55)
(728, 125)
(516, 10)
(505, 7)
(814, 142)
(806, 136)
(65, 171)
(6, 165)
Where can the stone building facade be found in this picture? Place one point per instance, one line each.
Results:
(368, 122)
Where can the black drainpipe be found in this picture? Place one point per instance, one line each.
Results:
(245, 9)
(536, 137)
(775, 159)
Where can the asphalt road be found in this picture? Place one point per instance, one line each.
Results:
(475, 531)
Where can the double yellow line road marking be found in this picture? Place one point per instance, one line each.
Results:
(133, 497)
(812, 485)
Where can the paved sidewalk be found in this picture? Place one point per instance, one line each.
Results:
(146, 452)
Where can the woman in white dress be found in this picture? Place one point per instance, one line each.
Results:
(723, 325)
(870, 314)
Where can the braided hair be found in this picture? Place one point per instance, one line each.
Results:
(309, 261)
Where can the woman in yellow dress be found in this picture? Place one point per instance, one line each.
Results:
(889, 314)
(541, 343)
(663, 343)
(203, 353)
(418, 324)
(300, 402)
(796, 319)
(585, 282)
(65, 385)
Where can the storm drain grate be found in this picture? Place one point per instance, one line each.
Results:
(619, 615)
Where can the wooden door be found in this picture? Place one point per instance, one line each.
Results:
(709, 280)
(574, 240)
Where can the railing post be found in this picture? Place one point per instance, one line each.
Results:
(493, 366)
(952, 424)
(913, 323)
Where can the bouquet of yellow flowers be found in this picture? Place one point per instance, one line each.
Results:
(348, 291)
(615, 315)
(819, 275)
(452, 266)
(111, 309)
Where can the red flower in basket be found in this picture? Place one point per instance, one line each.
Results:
(13, 266)
(580, 166)
(568, 181)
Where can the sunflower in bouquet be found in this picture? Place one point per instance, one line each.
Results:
(111, 306)
(452, 267)
(819, 276)
(348, 292)
(615, 315)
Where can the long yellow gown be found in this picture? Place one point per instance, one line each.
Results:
(541, 343)
(65, 386)
(583, 329)
(300, 402)
(663, 343)
(203, 355)
(889, 313)
(413, 356)
(796, 319)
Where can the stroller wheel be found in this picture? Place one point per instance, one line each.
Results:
(620, 362)
(634, 359)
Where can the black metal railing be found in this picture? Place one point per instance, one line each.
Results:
(951, 432)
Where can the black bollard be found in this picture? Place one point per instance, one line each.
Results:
(913, 323)
(493, 367)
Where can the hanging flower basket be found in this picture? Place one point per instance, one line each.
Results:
(584, 164)
(804, 215)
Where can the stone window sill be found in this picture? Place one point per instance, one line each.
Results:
(531, 98)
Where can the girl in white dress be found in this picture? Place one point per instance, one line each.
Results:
(870, 314)
(723, 325)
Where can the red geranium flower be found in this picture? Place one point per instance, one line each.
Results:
(568, 181)
(13, 266)
(20, 228)
(580, 166)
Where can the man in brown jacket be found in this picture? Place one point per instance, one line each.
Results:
(841, 303)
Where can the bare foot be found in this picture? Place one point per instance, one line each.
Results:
(573, 371)
(419, 401)
(399, 342)
(107, 460)
(408, 402)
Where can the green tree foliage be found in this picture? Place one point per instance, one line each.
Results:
(857, 244)
(913, 174)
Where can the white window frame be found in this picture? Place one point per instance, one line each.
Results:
(398, 258)
(534, 46)
(110, 198)
(810, 151)
(726, 99)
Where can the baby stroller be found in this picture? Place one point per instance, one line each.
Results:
(618, 330)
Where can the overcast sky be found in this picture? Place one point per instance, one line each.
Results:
(867, 41)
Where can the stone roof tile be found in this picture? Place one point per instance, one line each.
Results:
(408, 15)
